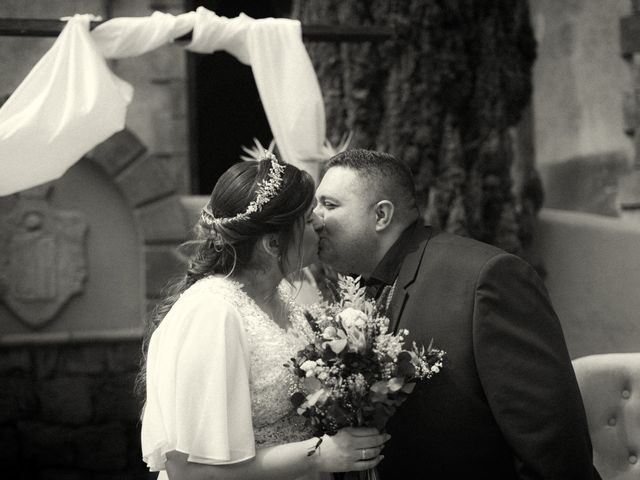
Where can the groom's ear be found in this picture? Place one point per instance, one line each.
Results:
(384, 210)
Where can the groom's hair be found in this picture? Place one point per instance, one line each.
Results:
(385, 175)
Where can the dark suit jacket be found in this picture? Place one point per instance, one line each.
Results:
(507, 405)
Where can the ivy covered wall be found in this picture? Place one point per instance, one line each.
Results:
(446, 94)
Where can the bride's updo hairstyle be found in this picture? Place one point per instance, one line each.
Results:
(226, 235)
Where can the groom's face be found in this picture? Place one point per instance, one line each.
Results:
(347, 231)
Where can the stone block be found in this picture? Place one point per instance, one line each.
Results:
(145, 180)
(629, 112)
(66, 400)
(124, 357)
(125, 475)
(163, 221)
(587, 183)
(629, 191)
(46, 361)
(181, 165)
(47, 445)
(15, 360)
(192, 205)
(134, 452)
(18, 399)
(124, 8)
(118, 151)
(101, 447)
(169, 97)
(174, 7)
(167, 63)
(61, 474)
(170, 134)
(177, 91)
(163, 263)
(115, 400)
(83, 359)
(9, 446)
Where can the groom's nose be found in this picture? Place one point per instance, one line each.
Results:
(317, 220)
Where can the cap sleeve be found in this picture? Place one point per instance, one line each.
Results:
(198, 397)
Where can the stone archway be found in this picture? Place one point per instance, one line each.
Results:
(151, 217)
(150, 189)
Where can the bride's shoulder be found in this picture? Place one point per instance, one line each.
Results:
(216, 284)
(213, 289)
(219, 288)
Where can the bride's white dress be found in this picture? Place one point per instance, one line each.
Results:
(216, 385)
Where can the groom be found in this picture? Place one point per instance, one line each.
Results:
(506, 405)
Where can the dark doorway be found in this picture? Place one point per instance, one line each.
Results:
(225, 111)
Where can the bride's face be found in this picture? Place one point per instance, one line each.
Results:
(305, 249)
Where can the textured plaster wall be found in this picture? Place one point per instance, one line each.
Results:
(580, 81)
(579, 78)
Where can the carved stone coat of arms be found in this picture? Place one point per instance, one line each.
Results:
(42, 257)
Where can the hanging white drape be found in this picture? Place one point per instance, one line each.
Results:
(71, 101)
(67, 104)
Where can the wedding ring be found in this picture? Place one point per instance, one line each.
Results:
(364, 454)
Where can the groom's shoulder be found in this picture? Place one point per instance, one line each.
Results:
(455, 252)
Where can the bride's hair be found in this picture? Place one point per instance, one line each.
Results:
(228, 244)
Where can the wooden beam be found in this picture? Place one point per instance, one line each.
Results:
(28, 27)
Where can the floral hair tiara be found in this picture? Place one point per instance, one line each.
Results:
(267, 189)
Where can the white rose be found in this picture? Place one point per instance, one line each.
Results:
(308, 365)
(349, 316)
(354, 322)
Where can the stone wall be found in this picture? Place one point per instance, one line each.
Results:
(67, 407)
(68, 412)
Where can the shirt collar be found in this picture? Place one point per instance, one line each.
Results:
(387, 270)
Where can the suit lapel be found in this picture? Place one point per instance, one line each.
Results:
(407, 275)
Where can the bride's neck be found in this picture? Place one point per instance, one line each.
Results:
(262, 287)
(260, 284)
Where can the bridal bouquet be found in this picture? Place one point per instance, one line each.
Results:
(353, 372)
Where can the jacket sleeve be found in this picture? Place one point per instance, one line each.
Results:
(527, 375)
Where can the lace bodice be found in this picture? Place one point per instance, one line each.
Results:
(270, 347)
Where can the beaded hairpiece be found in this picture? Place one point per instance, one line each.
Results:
(267, 189)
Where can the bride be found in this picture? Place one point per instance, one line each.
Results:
(217, 393)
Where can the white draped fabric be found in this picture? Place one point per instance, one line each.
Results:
(71, 101)
(130, 37)
(67, 104)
